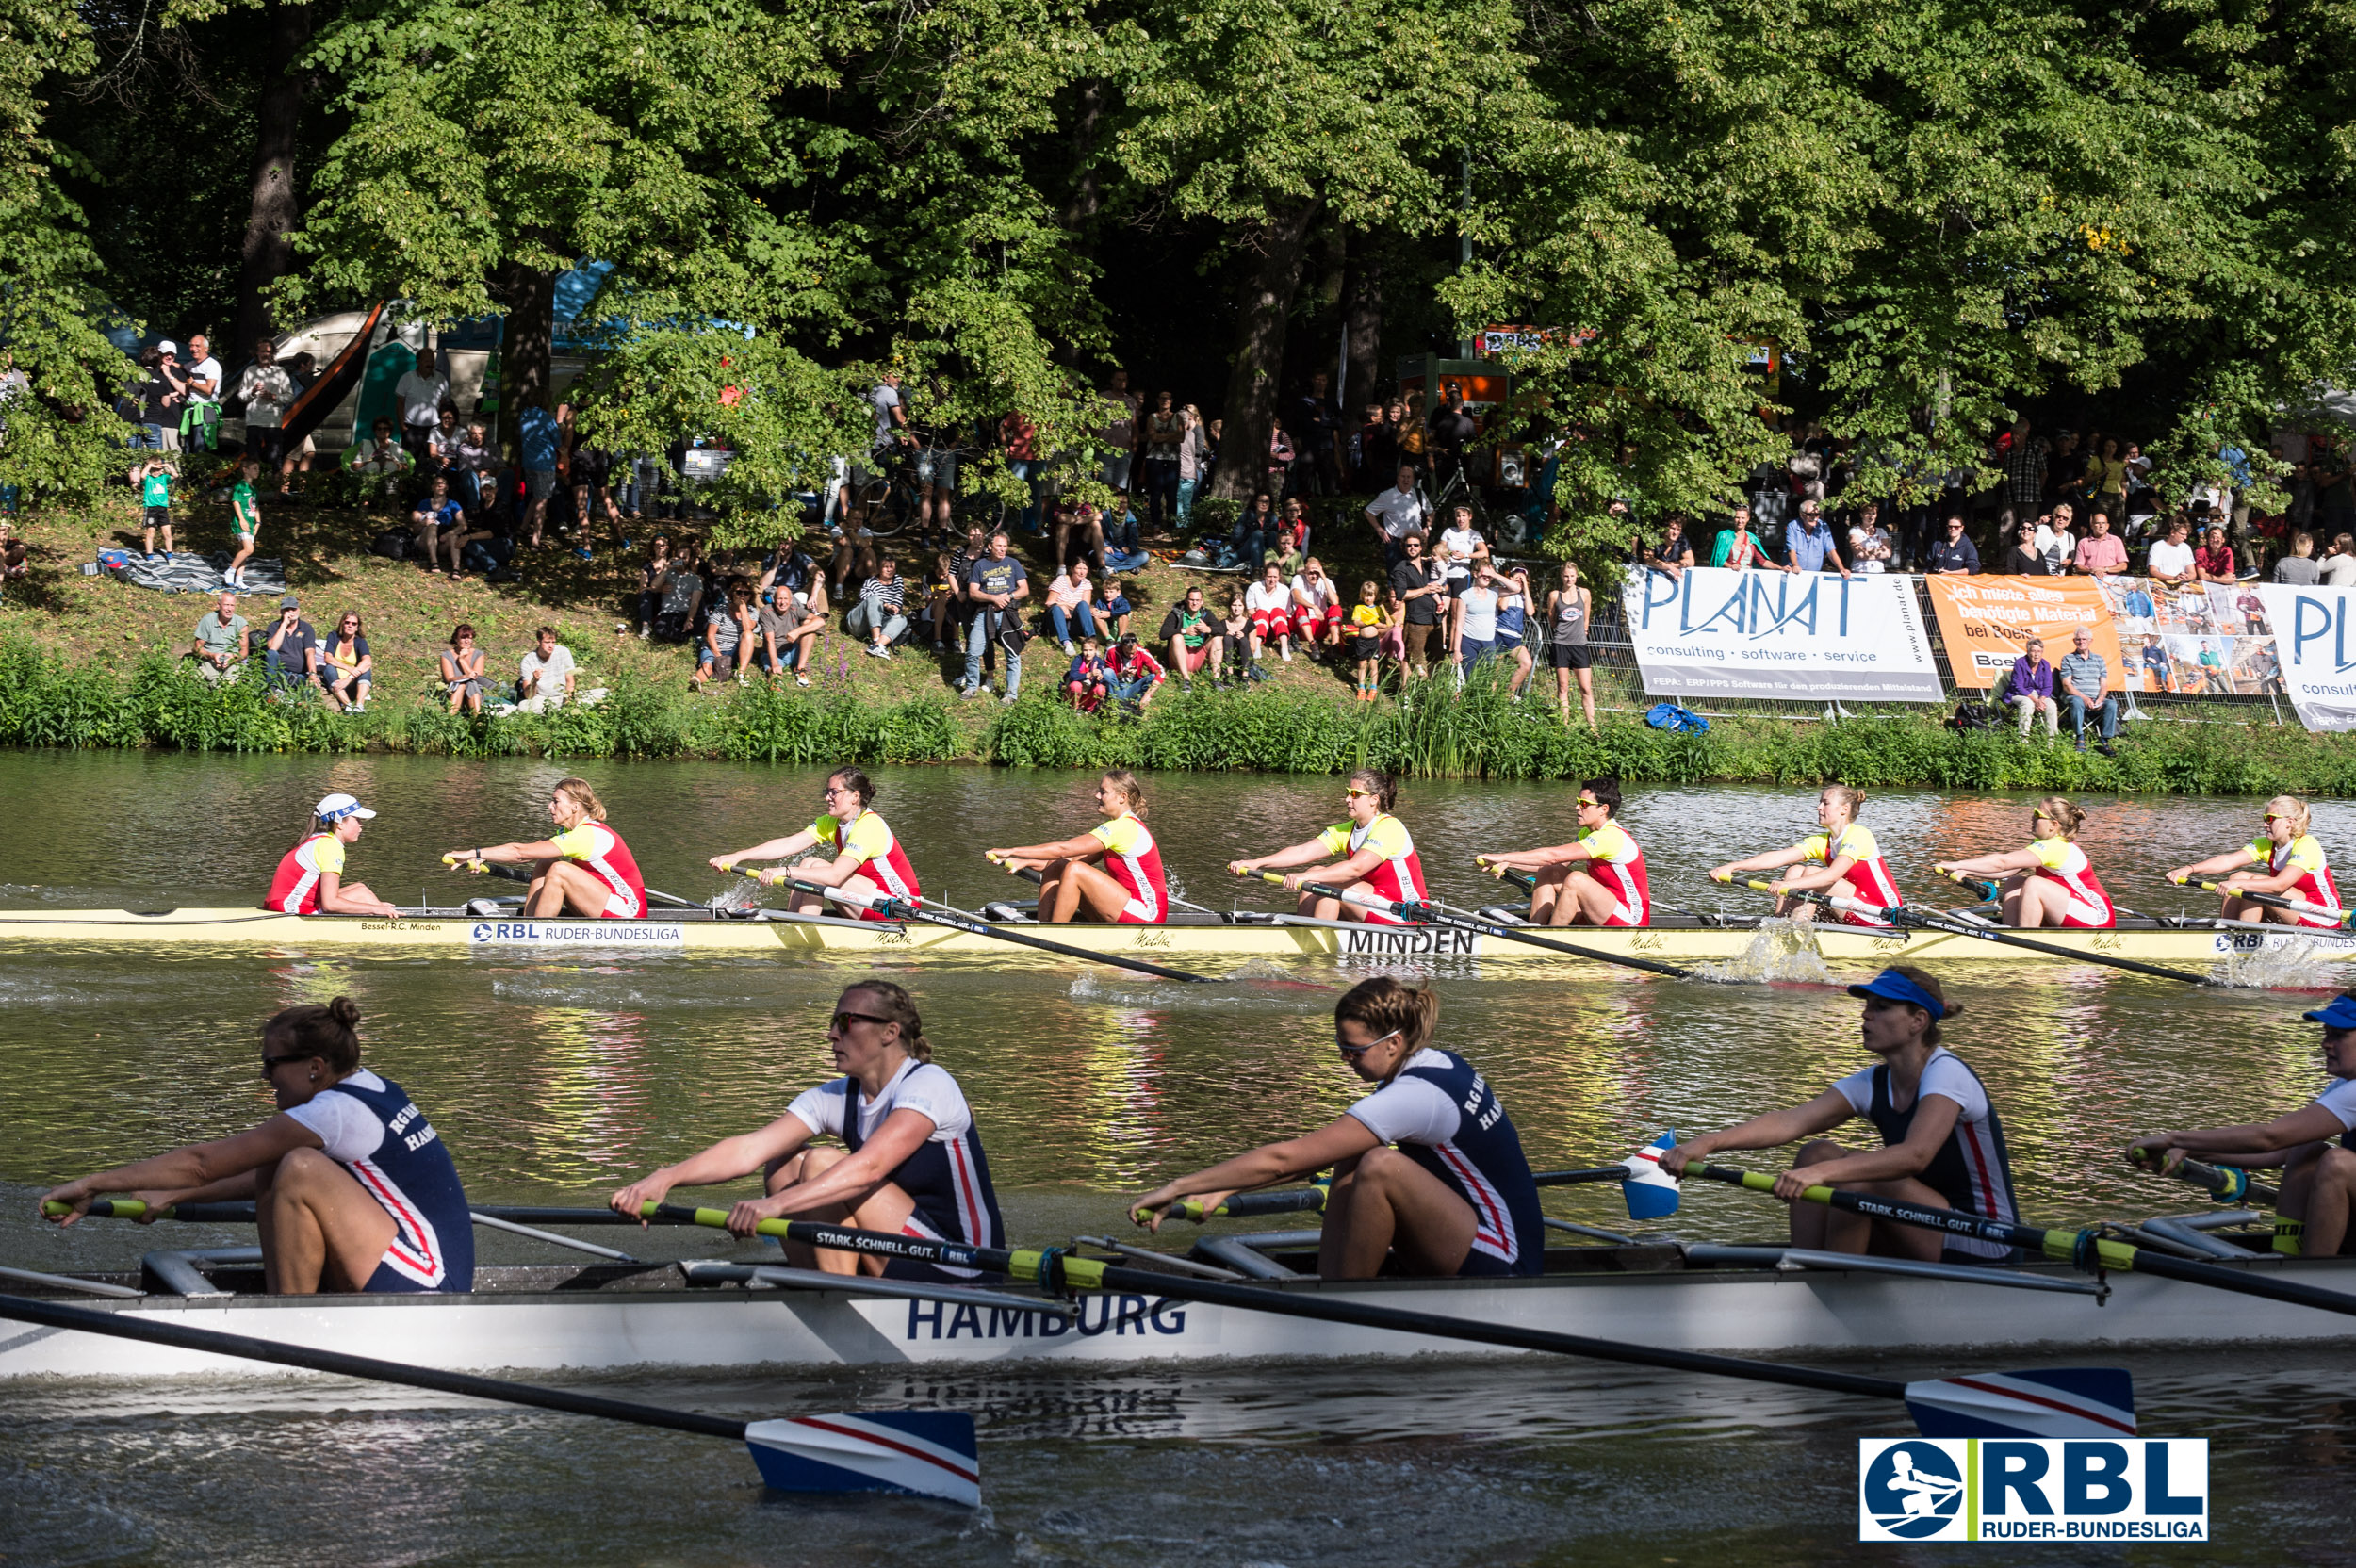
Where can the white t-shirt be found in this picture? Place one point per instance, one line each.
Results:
(421, 398)
(347, 1130)
(1324, 595)
(552, 671)
(1400, 511)
(1461, 542)
(207, 371)
(2340, 1099)
(1410, 1110)
(266, 391)
(2171, 559)
(2340, 571)
(1261, 597)
(923, 1088)
(1480, 613)
(885, 400)
(1944, 1074)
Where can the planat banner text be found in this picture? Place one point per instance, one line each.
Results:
(2315, 647)
(1710, 632)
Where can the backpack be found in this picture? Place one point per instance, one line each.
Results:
(1973, 715)
(393, 545)
(1677, 720)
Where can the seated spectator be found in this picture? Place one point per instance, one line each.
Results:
(1070, 605)
(346, 669)
(882, 612)
(2100, 553)
(2022, 557)
(219, 646)
(729, 637)
(2214, 560)
(545, 676)
(290, 658)
(2083, 674)
(2030, 688)
(1397, 512)
(1132, 675)
(1955, 554)
(788, 631)
(442, 444)
(462, 671)
(678, 613)
(945, 602)
(1255, 533)
(441, 525)
(787, 568)
(1075, 532)
(1317, 608)
(2299, 568)
(1291, 541)
(2339, 570)
(1195, 637)
(1242, 649)
(474, 463)
(380, 461)
(2170, 560)
(13, 561)
(1116, 610)
(1268, 611)
(1087, 680)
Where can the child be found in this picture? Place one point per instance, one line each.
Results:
(1394, 638)
(154, 481)
(1117, 609)
(1088, 677)
(1366, 620)
(245, 520)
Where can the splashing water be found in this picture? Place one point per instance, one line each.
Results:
(2295, 963)
(1780, 950)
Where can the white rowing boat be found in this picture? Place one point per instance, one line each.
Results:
(603, 1317)
(1731, 939)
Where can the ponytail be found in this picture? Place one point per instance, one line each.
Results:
(2063, 813)
(1381, 785)
(583, 796)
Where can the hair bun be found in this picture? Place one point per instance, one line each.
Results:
(345, 1011)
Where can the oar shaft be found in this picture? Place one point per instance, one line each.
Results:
(899, 908)
(2276, 901)
(1037, 878)
(523, 874)
(148, 1329)
(1243, 1206)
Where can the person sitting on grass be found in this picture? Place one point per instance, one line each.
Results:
(1116, 610)
(1195, 638)
(441, 525)
(729, 637)
(788, 630)
(219, 647)
(1133, 674)
(380, 459)
(346, 668)
(292, 660)
(1269, 607)
(462, 671)
(545, 675)
(245, 519)
(1089, 680)
(1070, 605)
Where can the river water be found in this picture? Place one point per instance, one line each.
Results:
(553, 1078)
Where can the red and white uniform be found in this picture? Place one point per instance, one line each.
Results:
(1133, 859)
(295, 891)
(1398, 878)
(882, 861)
(599, 850)
(1614, 861)
(1868, 874)
(1271, 609)
(2314, 882)
(1316, 607)
(2065, 863)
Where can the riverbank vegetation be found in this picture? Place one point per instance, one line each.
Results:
(46, 701)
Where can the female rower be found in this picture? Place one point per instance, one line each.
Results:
(1596, 880)
(2051, 882)
(868, 858)
(2314, 1144)
(1842, 861)
(2295, 868)
(310, 875)
(351, 1189)
(1112, 872)
(1427, 1168)
(1381, 857)
(912, 1162)
(585, 869)
(1942, 1143)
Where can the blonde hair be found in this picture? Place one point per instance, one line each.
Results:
(583, 796)
(1851, 798)
(2063, 813)
(1386, 1005)
(1131, 790)
(2293, 811)
(894, 1005)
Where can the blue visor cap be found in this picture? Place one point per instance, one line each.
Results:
(2340, 1015)
(1890, 986)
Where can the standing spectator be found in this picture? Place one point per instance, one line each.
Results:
(2083, 674)
(789, 631)
(1473, 622)
(1118, 437)
(544, 678)
(1465, 547)
(2214, 560)
(303, 371)
(591, 470)
(1807, 543)
(421, 393)
(153, 406)
(245, 520)
(1315, 419)
(1166, 432)
(994, 585)
(729, 637)
(2339, 567)
(2056, 543)
(543, 444)
(2029, 687)
(1397, 512)
(199, 390)
(1317, 608)
(1132, 675)
(462, 671)
(290, 657)
(346, 668)
(2024, 472)
(1193, 463)
(2100, 553)
(1406, 419)
(1019, 437)
(1377, 447)
(2170, 560)
(219, 646)
(1366, 620)
(948, 604)
(651, 575)
(1670, 554)
(1570, 612)
(1075, 532)
(1869, 545)
(2298, 568)
(1738, 548)
(1955, 555)
(1424, 592)
(267, 392)
(154, 478)
(1280, 458)
(881, 611)
(1451, 430)
(1194, 637)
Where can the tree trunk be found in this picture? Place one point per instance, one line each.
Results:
(1088, 194)
(528, 295)
(1362, 311)
(1265, 310)
(267, 253)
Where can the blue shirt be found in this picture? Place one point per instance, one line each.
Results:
(1959, 556)
(2085, 671)
(540, 438)
(1806, 548)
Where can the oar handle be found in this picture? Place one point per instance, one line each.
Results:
(1526, 883)
(2273, 901)
(1973, 884)
(2226, 1184)
(108, 1208)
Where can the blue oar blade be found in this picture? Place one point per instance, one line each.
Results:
(2079, 1402)
(1651, 1192)
(931, 1453)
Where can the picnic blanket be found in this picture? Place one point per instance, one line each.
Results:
(193, 574)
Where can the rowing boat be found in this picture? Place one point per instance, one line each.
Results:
(721, 1314)
(1713, 939)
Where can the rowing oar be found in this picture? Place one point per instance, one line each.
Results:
(1036, 878)
(1528, 884)
(1433, 914)
(930, 913)
(1975, 1406)
(2273, 901)
(1900, 915)
(2227, 1184)
(1246, 1205)
(2086, 1250)
(931, 1453)
(517, 874)
(516, 1221)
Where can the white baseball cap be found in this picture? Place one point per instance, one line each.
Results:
(336, 807)
(167, 347)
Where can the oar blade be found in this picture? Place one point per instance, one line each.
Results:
(1651, 1192)
(2078, 1401)
(927, 1453)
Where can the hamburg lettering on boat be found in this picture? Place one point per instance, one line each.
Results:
(1120, 1315)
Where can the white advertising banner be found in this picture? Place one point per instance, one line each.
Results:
(1710, 632)
(2315, 647)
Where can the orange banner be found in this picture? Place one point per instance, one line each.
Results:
(1986, 620)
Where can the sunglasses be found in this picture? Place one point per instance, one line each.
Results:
(1353, 793)
(842, 1020)
(1354, 1052)
(271, 1064)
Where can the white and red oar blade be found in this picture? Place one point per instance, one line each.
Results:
(931, 1453)
(2079, 1402)
(1651, 1192)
